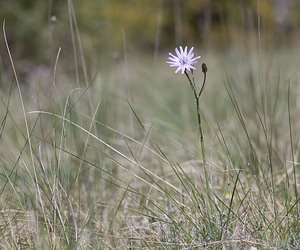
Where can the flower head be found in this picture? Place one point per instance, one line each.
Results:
(183, 60)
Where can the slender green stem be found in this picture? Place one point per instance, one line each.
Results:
(200, 131)
(197, 98)
(192, 84)
(203, 149)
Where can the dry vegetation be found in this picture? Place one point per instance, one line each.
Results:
(109, 157)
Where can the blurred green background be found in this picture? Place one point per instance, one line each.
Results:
(36, 28)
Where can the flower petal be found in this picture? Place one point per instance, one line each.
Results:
(190, 54)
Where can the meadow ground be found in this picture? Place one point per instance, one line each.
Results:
(115, 162)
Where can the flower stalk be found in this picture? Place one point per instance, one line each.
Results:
(197, 101)
(184, 60)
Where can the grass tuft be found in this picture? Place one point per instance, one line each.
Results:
(117, 163)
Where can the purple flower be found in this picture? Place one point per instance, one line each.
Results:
(183, 60)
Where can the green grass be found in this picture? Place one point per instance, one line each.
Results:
(117, 163)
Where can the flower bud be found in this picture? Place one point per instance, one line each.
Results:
(204, 68)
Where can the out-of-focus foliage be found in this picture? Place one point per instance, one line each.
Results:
(109, 25)
(26, 27)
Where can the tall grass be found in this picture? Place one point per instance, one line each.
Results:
(114, 163)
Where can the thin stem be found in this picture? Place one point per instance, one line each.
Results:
(197, 98)
(200, 131)
(192, 84)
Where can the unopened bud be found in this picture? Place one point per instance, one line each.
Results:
(204, 68)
